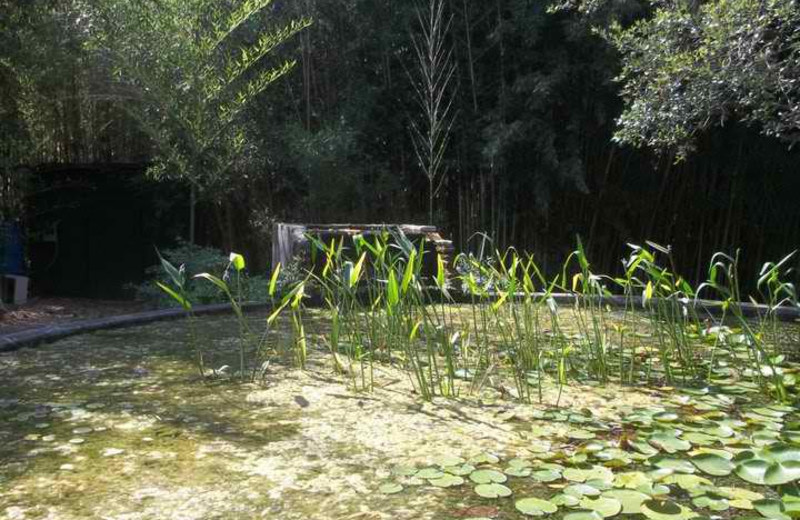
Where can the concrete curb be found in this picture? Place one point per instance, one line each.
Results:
(702, 307)
(50, 333)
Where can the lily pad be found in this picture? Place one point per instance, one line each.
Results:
(517, 471)
(487, 476)
(429, 473)
(712, 503)
(713, 464)
(753, 471)
(585, 514)
(771, 508)
(546, 475)
(581, 490)
(565, 500)
(460, 471)
(390, 488)
(780, 473)
(631, 500)
(669, 443)
(484, 458)
(535, 506)
(679, 465)
(492, 490)
(448, 460)
(446, 481)
(606, 506)
(665, 510)
(631, 479)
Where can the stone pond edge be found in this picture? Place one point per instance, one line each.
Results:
(50, 333)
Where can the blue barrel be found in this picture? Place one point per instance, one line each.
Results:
(12, 249)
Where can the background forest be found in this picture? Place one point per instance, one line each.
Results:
(616, 120)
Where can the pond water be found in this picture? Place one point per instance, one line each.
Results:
(118, 425)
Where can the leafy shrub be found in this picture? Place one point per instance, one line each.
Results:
(198, 259)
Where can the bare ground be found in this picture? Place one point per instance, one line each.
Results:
(46, 311)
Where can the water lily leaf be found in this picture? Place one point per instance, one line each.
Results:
(687, 482)
(520, 463)
(576, 474)
(780, 473)
(699, 439)
(713, 464)
(546, 475)
(492, 490)
(719, 453)
(631, 500)
(484, 458)
(669, 443)
(446, 481)
(583, 515)
(735, 493)
(460, 471)
(722, 431)
(581, 434)
(643, 447)
(665, 510)
(517, 471)
(631, 480)
(429, 473)
(679, 465)
(769, 412)
(580, 490)
(535, 507)
(714, 504)
(487, 476)
(654, 490)
(606, 506)
(600, 473)
(448, 460)
(565, 500)
(780, 452)
(390, 488)
(771, 508)
(753, 471)
(741, 503)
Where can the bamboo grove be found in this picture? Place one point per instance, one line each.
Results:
(535, 94)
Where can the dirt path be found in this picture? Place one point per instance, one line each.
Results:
(47, 311)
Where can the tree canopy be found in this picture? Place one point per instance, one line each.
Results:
(570, 115)
(691, 66)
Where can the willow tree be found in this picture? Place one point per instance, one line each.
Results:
(189, 69)
(433, 85)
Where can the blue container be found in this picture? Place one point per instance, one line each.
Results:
(12, 249)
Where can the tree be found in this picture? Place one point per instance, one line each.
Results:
(190, 69)
(433, 88)
(692, 66)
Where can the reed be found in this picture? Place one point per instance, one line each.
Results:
(511, 329)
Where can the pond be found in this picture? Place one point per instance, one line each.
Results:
(119, 425)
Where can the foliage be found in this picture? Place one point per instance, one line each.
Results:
(383, 310)
(195, 260)
(194, 78)
(692, 66)
(530, 159)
